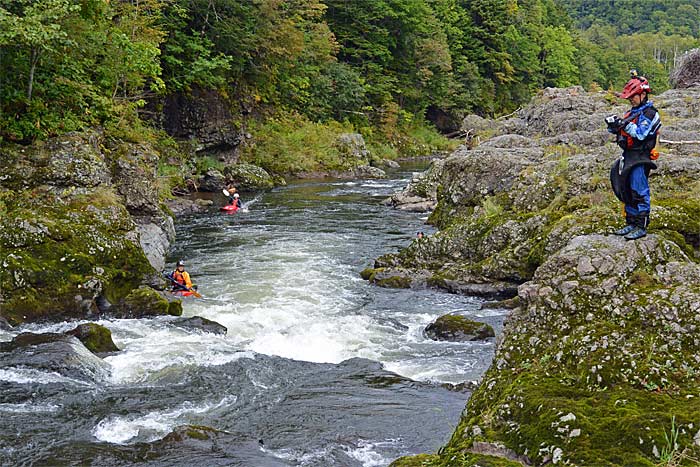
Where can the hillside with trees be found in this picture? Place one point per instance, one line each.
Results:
(384, 68)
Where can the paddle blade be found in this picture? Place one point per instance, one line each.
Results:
(225, 192)
(196, 294)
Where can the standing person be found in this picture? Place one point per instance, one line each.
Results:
(636, 134)
(181, 276)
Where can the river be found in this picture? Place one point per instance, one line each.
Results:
(318, 368)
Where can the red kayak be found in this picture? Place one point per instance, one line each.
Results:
(229, 208)
(182, 293)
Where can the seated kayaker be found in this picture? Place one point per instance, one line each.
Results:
(232, 193)
(181, 277)
(236, 201)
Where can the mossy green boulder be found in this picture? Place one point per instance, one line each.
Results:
(73, 225)
(96, 338)
(248, 177)
(457, 328)
(144, 302)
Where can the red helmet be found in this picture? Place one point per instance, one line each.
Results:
(635, 86)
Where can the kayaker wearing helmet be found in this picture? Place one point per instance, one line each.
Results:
(237, 201)
(181, 276)
(636, 134)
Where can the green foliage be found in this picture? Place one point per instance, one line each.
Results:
(69, 64)
(292, 144)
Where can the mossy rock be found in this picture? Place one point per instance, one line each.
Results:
(462, 459)
(394, 282)
(144, 302)
(458, 329)
(249, 177)
(66, 235)
(191, 432)
(95, 338)
(368, 274)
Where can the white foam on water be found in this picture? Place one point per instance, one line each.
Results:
(366, 453)
(29, 407)
(154, 425)
(30, 375)
(150, 346)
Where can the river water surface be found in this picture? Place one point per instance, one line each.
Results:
(318, 368)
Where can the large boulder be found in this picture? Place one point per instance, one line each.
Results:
(74, 209)
(351, 147)
(198, 323)
(54, 354)
(146, 302)
(687, 73)
(596, 362)
(249, 177)
(95, 338)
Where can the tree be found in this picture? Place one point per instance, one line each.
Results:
(34, 27)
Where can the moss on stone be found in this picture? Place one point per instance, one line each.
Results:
(145, 302)
(459, 459)
(66, 237)
(394, 282)
(458, 328)
(175, 307)
(95, 338)
(368, 273)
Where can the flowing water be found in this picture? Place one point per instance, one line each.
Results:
(318, 367)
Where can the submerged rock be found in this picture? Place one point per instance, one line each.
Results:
(96, 338)
(53, 353)
(200, 324)
(457, 328)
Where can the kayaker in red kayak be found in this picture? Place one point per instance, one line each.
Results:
(182, 277)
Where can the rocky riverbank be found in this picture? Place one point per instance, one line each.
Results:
(81, 229)
(598, 362)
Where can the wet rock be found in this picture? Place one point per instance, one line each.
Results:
(144, 302)
(212, 181)
(249, 177)
(203, 115)
(191, 433)
(4, 325)
(53, 353)
(457, 328)
(96, 338)
(184, 206)
(420, 194)
(367, 171)
(199, 324)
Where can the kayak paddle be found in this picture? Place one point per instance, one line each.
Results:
(180, 286)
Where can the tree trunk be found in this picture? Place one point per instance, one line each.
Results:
(34, 60)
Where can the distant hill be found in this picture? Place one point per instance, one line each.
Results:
(637, 16)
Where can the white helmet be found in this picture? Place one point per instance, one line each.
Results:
(235, 195)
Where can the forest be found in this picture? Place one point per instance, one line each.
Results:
(385, 68)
